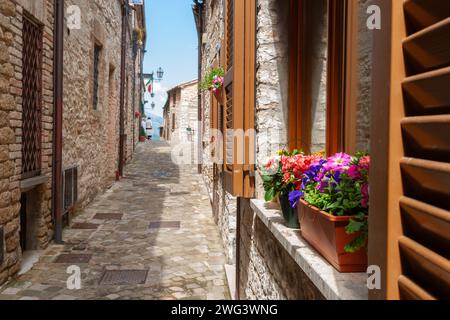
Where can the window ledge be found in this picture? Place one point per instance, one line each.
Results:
(331, 283)
(29, 184)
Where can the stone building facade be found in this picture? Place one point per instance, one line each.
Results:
(23, 21)
(265, 266)
(90, 134)
(95, 150)
(180, 115)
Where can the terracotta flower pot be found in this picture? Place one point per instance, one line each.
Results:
(142, 139)
(289, 214)
(326, 233)
(220, 97)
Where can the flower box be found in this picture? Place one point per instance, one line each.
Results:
(327, 234)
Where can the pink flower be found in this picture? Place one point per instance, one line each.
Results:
(365, 195)
(364, 162)
(354, 172)
(338, 162)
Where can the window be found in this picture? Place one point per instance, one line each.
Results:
(97, 54)
(32, 98)
(318, 70)
(70, 188)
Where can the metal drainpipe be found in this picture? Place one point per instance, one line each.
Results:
(122, 87)
(58, 119)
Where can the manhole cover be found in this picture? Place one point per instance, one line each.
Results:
(184, 193)
(73, 258)
(85, 226)
(165, 225)
(108, 216)
(124, 277)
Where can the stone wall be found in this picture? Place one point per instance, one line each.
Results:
(91, 136)
(11, 76)
(272, 76)
(266, 270)
(316, 51)
(365, 49)
(224, 204)
(185, 112)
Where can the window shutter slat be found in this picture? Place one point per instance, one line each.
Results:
(418, 217)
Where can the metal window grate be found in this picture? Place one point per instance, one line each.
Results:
(97, 52)
(70, 188)
(32, 98)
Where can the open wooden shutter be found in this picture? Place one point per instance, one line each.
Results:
(239, 96)
(416, 196)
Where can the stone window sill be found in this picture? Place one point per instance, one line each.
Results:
(29, 184)
(331, 283)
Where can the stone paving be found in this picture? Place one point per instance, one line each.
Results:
(166, 231)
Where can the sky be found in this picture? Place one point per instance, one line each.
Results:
(171, 44)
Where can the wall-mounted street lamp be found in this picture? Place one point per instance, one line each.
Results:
(151, 80)
(153, 105)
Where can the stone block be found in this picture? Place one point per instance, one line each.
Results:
(7, 136)
(5, 199)
(7, 8)
(6, 215)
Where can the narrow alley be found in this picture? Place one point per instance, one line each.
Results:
(151, 236)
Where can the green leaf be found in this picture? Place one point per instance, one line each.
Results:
(270, 195)
(354, 226)
(357, 244)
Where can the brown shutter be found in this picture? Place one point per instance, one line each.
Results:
(415, 131)
(239, 96)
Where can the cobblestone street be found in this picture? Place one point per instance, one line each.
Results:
(155, 222)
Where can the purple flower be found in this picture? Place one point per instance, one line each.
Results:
(312, 175)
(294, 198)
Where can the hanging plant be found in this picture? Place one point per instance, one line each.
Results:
(214, 80)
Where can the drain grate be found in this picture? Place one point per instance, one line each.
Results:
(85, 226)
(124, 277)
(73, 258)
(108, 216)
(181, 193)
(165, 225)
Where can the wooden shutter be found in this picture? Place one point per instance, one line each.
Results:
(239, 86)
(411, 176)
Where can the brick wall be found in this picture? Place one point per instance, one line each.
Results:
(11, 48)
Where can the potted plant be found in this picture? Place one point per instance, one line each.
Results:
(214, 81)
(281, 175)
(333, 205)
(142, 134)
(137, 115)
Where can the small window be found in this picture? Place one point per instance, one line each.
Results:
(70, 188)
(97, 53)
(173, 122)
